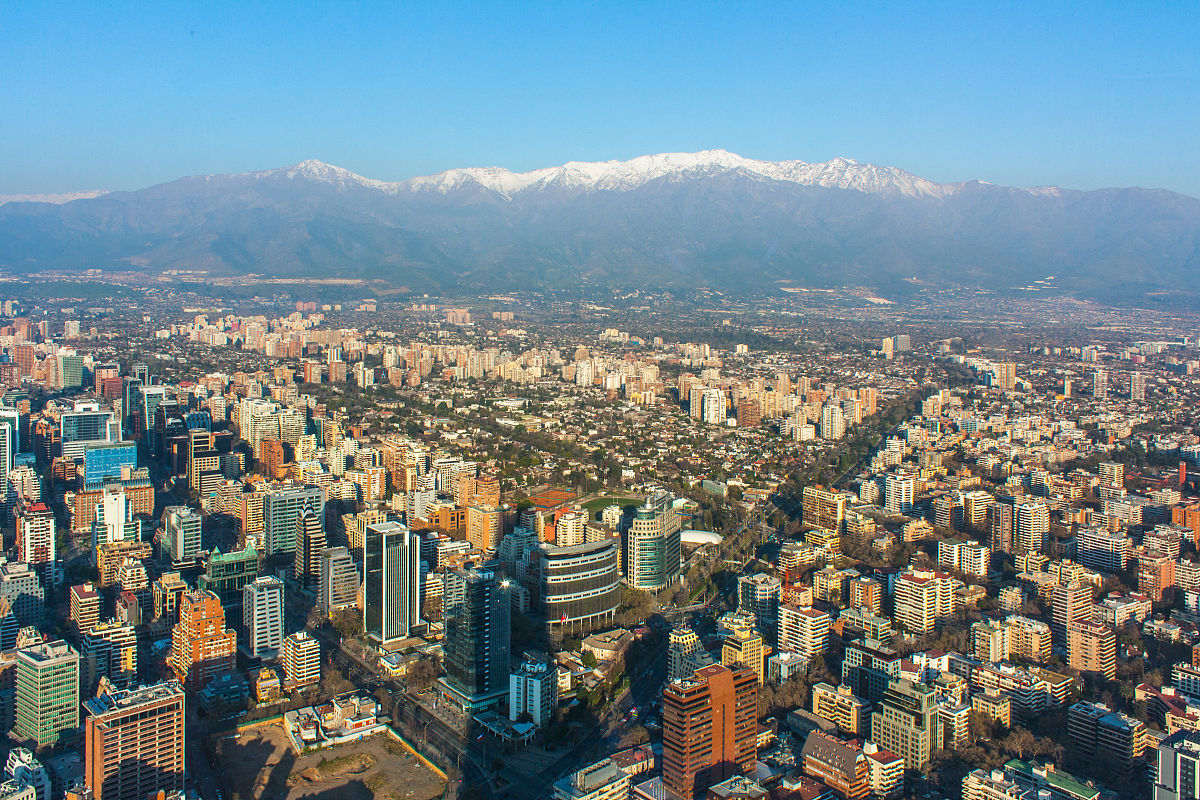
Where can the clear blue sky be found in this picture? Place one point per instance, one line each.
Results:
(1079, 94)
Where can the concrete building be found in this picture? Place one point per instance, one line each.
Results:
(301, 660)
(803, 630)
(603, 780)
(839, 705)
(262, 617)
(907, 723)
(709, 729)
(924, 599)
(134, 742)
(339, 583)
(533, 690)
(1092, 647)
(47, 692)
(201, 646)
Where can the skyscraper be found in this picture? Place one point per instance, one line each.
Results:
(476, 611)
(134, 742)
(310, 542)
(282, 510)
(1100, 384)
(652, 544)
(709, 729)
(391, 582)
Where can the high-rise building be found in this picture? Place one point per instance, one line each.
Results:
(310, 542)
(476, 608)
(23, 588)
(181, 541)
(803, 630)
(392, 582)
(1112, 737)
(201, 646)
(533, 690)
(833, 422)
(301, 659)
(865, 593)
(683, 650)
(1177, 767)
(1112, 473)
(339, 583)
(1028, 639)
(924, 600)
(47, 692)
(1103, 550)
(167, 591)
(907, 723)
(134, 742)
(1092, 647)
(839, 705)
(26, 772)
(603, 780)
(226, 574)
(869, 667)
(1001, 515)
(577, 587)
(1004, 376)
(758, 596)
(826, 509)
(714, 407)
(109, 650)
(898, 492)
(745, 649)
(36, 544)
(1137, 386)
(85, 607)
(1069, 604)
(1100, 384)
(652, 544)
(990, 640)
(262, 617)
(840, 765)
(709, 729)
(282, 510)
(1031, 524)
(969, 557)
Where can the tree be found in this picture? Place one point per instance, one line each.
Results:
(421, 674)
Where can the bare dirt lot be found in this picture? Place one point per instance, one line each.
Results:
(258, 764)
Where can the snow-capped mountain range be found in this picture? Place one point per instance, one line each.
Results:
(839, 173)
(673, 220)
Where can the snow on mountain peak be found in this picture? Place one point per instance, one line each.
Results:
(839, 173)
(589, 176)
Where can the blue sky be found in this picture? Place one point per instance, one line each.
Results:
(1079, 94)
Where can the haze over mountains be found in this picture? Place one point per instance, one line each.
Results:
(673, 220)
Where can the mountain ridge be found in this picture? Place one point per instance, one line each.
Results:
(675, 219)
